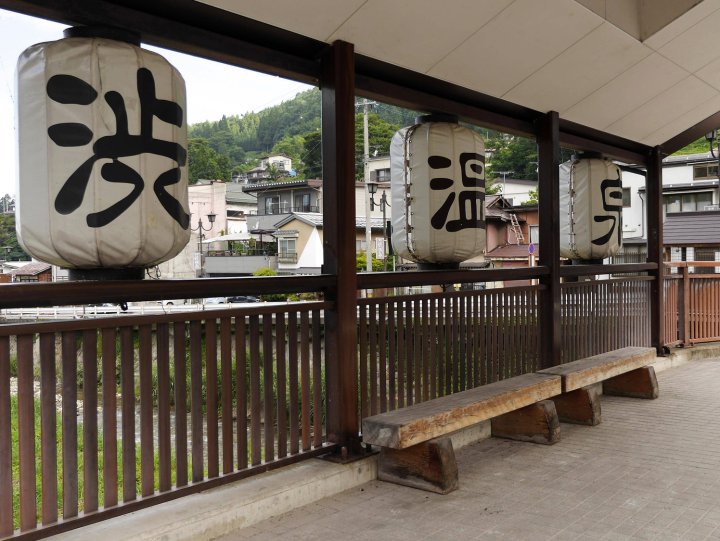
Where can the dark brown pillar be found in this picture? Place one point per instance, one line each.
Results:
(653, 185)
(338, 153)
(548, 138)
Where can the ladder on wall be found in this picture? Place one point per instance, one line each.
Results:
(515, 226)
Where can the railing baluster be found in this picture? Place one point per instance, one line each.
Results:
(26, 432)
(364, 387)
(48, 428)
(196, 405)
(109, 394)
(90, 424)
(372, 358)
(433, 340)
(147, 444)
(127, 383)
(69, 425)
(305, 378)
(401, 342)
(211, 398)
(280, 349)
(226, 397)
(293, 381)
(392, 356)
(255, 427)
(382, 314)
(409, 353)
(317, 380)
(6, 481)
(163, 397)
(268, 402)
(180, 374)
(242, 397)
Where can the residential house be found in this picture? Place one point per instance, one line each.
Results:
(34, 271)
(277, 200)
(240, 205)
(271, 168)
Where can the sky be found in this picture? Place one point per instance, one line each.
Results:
(213, 89)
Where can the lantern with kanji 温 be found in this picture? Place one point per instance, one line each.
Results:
(102, 178)
(437, 172)
(590, 208)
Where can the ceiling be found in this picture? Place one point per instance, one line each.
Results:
(569, 56)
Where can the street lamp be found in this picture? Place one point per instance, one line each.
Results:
(372, 190)
(201, 230)
(711, 136)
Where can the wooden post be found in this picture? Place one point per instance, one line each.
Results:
(683, 306)
(548, 138)
(337, 85)
(655, 249)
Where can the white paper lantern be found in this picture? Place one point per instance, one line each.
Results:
(438, 192)
(590, 209)
(103, 151)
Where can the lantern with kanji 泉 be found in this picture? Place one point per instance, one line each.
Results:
(437, 172)
(102, 184)
(590, 208)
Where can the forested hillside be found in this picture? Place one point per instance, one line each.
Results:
(235, 143)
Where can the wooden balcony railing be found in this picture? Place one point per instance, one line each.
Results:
(124, 412)
(692, 307)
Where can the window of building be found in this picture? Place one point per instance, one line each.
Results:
(272, 205)
(383, 175)
(626, 197)
(534, 233)
(687, 202)
(287, 247)
(360, 246)
(705, 172)
(302, 203)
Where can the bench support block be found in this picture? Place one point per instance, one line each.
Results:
(581, 406)
(640, 383)
(428, 466)
(536, 423)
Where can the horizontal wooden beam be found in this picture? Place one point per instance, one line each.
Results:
(25, 295)
(588, 270)
(421, 278)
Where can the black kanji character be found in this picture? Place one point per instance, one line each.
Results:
(70, 89)
(612, 202)
(471, 202)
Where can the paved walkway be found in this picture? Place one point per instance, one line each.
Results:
(650, 470)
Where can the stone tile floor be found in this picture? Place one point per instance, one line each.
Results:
(650, 470)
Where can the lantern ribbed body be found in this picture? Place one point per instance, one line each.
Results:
(417, 208)
(75, 172)
(590, 209)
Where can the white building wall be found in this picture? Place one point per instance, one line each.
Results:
(312, 255)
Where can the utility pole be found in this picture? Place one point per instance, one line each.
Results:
(368, 196)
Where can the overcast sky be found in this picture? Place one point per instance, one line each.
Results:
(213, 89)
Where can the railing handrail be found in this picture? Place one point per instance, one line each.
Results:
(684, 264)
(447, 295)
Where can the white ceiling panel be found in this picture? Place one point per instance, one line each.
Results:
(684, 121)
(628, 91)
(577, 72)
(711, 73)
(683, 23)
(671, 104)
(696, 46)
(415, 33)
(314, 18)
(513, 45)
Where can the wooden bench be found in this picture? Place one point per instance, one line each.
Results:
(416, 449)
(622, 372)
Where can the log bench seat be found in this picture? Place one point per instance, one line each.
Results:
(416, 449)
(622, 372)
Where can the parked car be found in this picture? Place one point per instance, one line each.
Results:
(215, 300)
(243, 298)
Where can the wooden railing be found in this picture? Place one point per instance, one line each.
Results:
(414, 348)
(693, 302)
(124, 412)
(601, 315)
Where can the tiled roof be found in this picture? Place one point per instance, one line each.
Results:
(692, 228)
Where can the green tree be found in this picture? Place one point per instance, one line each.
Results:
(205, 163)
(380, 134)
(9, 246)
(511, 153)
(267, 271)
(312, 155)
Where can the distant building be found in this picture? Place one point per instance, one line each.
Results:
(278, 165)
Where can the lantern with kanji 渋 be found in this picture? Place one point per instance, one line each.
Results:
(102, 178)
(437, 172)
